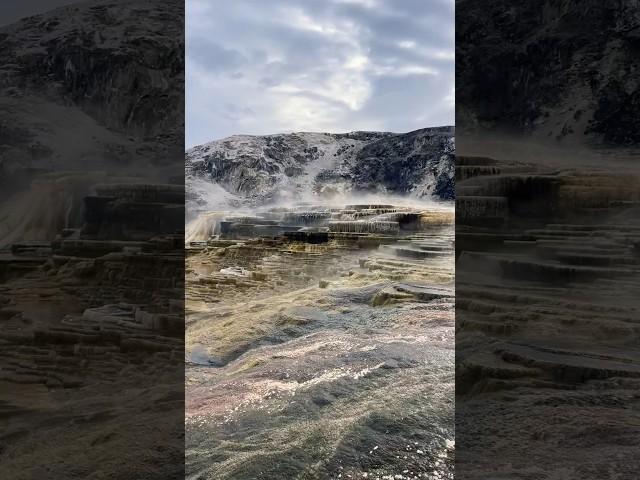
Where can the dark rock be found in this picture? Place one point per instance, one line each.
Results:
(261, 169)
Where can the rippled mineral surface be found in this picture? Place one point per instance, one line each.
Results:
(320, 344)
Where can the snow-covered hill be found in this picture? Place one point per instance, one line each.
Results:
(301, 166)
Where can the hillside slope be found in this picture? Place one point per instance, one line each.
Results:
(557, 69)
(112, 69)
(301, 166)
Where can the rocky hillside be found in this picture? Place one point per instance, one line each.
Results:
(303, 165)
(571, 69)
(113, 69)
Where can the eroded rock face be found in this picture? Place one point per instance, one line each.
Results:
(570, 72)
(58, 54)
(419, 163)
(112, 69)
(299, 165)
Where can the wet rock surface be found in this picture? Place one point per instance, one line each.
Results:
(547, 364)
(320, 353)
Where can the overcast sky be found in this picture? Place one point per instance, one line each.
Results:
(259, 67)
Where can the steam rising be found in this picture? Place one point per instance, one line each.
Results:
(215, 203)
(54, 201)
(548, 154)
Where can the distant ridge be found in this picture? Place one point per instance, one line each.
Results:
(263, 168)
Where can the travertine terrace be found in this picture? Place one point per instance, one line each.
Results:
(546, 323)
(320, 343)
(92, 339)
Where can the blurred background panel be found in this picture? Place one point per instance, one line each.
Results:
(547, 236)
(91, 239)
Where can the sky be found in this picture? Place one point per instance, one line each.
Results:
(261, 67)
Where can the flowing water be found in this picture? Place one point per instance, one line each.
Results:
(322, 359)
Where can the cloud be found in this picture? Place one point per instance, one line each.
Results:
(322, 65)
